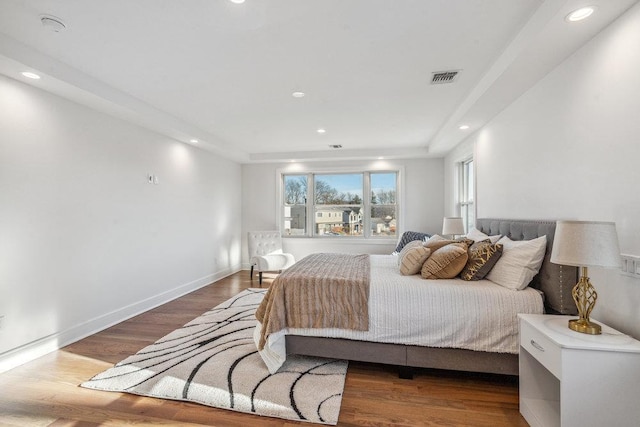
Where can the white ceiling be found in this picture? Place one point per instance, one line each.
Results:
(224, 73)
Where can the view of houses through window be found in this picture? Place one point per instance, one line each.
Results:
(338, 205)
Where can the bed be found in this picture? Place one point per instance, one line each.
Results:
(462, 346)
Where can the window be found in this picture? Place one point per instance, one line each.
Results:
(339, 196)
(384, 211)
(339, 203)
(466, 197)
(295, 205)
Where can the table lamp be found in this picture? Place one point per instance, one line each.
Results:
(585, 244)
(452, 226)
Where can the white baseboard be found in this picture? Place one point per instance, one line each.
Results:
(31, 351)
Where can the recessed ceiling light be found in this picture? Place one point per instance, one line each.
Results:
(237, 1)
(193, 141)
(30, 75)
(463, 127)
(298, 94)
(380, 158)
(321, 130)
(580, 14)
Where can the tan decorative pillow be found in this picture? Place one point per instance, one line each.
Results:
(413, 260)
(433, 239)
(436, 242)
(482, 257)
(408, 247)
(446, 263)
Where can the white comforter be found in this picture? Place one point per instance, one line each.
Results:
(480, 316)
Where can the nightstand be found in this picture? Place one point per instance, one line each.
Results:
(572, 379)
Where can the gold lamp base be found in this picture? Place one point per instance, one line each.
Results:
(585, 326)
(585, 296)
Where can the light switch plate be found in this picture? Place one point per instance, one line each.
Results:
(630, 265)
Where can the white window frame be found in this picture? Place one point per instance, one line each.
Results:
(311, 206)
(467, 192)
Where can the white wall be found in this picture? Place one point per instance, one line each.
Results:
(569, 149)
(85, 241)
(422, 203)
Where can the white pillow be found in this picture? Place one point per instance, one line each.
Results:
(519, 263)
(478, 236)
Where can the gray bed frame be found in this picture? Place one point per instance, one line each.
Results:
(555, 281)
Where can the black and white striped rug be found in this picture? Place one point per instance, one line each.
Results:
(213, 360)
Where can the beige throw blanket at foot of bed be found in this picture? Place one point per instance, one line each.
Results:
(320, 291)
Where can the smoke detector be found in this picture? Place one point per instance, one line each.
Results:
(442, 77)
(52, 23)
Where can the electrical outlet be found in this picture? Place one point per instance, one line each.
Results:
(1, 321)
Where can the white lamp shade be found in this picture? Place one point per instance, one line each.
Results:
(586, 244)
(452, 225)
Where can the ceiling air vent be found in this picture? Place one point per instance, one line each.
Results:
(442, 77)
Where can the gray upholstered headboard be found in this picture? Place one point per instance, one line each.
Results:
(556, 281)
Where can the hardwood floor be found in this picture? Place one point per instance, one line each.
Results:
(45, 392)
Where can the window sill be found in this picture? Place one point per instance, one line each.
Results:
(347, 240)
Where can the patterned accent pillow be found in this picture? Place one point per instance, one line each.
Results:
(407, 247)
(409, 236)
(482, 257)
(446, 263)
(413, 260)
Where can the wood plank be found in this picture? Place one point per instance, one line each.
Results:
(45, 392)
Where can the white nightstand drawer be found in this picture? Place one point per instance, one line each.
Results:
(571, 379)
(542, 348)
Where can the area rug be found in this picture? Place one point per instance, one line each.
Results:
(214, 361)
